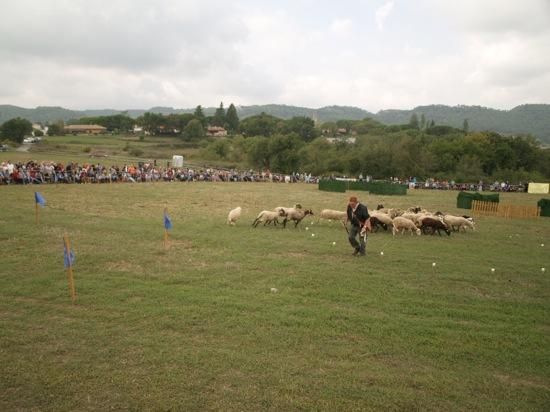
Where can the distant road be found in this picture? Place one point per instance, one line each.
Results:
(23, 148)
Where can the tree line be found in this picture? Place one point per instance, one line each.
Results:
(419, 148)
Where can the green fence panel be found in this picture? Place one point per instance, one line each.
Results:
(332, 186)
(544, 205)
(357, 186)
(385, 188)
(464, 199)
(493, 197)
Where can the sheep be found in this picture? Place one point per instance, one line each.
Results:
(382, 217)
(330, 214)
(402, 223)
(286, 209)
(413, 217)
(391, 212)
(396, 212)
(434, 225)
(234, 215)
(296, 215)
(267, 216)
(458, 222)
(377, 224)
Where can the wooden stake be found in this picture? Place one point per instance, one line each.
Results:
(69, 268)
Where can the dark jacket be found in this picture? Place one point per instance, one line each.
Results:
(360, 216)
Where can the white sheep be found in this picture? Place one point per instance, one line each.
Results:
(400, 224)
(458, 222)
(413, 217)
(331, 214)
(234, 215)
(267, 216)
(394, 212)
(382, 217)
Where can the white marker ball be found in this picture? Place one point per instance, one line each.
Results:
(543, 269)
(307, 228)
(274, 290)
(313, 235)
(382, 253)
(433, 264)
(492, 269)
(333, 243)
(542, 245)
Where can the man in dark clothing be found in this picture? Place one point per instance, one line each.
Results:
(358, 216)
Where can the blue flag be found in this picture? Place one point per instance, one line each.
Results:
(167, 221)
(68, 257)
(39, 199)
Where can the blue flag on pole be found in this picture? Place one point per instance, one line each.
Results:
(68, 257)
(39, 199)
(167, 221)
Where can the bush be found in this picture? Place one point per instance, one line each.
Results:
(87, 149)
(136, 152)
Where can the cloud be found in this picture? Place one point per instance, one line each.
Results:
(138, 54)
(382, 14)
(341, 26)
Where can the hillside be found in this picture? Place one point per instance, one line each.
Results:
(531, 119)
(525, 119)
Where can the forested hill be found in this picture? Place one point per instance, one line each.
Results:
(529, 118)
(525, 119)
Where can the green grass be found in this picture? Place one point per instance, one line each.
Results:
(196, 326)
(106, 149)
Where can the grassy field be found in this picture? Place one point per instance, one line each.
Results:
(196, 326)
(106, 149)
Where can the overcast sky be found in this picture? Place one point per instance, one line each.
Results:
(373, 54)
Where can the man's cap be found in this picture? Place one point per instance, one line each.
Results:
(353, 199)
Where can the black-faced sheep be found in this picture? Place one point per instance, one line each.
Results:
(296, 215)
(376, 224)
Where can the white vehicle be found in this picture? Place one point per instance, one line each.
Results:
(29, 140)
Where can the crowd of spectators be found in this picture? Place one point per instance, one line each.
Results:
(52, 172)
(479, 186)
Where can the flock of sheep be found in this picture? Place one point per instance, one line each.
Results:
(414, 220)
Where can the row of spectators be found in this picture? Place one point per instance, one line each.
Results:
(54, 172)
(51, 172)
(480, 186)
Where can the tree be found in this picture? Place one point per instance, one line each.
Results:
(232, 119)
(16, 129)
(219, 116)
(151, 122)
(260, 125)
(303, 126)
(57, 128)
(193, 130)
(422, 121)
(414, 121)
(284, 153)
(465, 126)
(199, 114)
